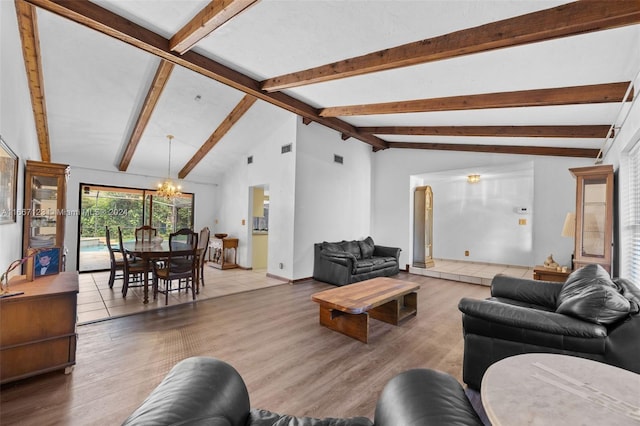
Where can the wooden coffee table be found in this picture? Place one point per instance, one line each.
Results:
(347, 309)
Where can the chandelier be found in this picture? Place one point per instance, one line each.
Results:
(168, 189)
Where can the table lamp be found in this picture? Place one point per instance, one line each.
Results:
(569, 229)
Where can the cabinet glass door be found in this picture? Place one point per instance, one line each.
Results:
(594, 217)
(44, 206)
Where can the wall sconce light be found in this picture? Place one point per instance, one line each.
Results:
(473, 178)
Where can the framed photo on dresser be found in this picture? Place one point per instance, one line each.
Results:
(46, 262)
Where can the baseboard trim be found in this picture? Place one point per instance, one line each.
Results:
(277, 277)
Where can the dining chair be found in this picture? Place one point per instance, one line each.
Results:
(181, 265)
(131, 269)
(117, 265)
(203, 247)
(186, 237)
(145, 233)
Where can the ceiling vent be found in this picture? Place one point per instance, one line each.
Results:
(286, 148)
(338, 159)
(250, 159)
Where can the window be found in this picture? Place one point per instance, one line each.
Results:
(127, 208)
(630, 229)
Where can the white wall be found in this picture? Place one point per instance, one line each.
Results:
(277, 171)
(486, 209)
(205, 200)
(16, 123)
(333, 201)
(553, 196)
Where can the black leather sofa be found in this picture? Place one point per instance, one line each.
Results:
(589, 316)
(347, 262)
(206, 391)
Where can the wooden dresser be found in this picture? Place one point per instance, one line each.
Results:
(38, 328)
(546, 274)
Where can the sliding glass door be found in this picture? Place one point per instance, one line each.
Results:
(127, 208)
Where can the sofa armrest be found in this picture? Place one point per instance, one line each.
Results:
(543, 293)
(199, 391)
(384, 251)
(530, 319)
(424, 397)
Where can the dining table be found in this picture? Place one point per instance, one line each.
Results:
(152, 251)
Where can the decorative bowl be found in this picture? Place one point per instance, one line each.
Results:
(156, 240)
(220, 235)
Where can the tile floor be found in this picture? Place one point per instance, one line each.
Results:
(471, 272)
(96, 301)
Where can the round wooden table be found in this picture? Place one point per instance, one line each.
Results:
(547, 389)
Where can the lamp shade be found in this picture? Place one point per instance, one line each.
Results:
(569, 227)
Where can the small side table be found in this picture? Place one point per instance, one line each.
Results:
(218, 252)
(547, 274)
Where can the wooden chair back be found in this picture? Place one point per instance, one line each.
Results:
(203, 241)
(185, 236)
(145, 233)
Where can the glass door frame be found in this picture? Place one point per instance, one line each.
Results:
(146, 218)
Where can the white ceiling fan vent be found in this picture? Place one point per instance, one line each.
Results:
(338, 159)
(250, 159)
(286, 148)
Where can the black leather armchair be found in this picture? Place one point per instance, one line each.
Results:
(207, 391)
(524, 316)
(347, 262)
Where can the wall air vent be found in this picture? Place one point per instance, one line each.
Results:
(338, 159)
(286, 148)
(250, 159)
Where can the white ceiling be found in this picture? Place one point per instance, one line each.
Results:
(95, 85)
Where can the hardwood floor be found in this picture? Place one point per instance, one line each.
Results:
(271, 336)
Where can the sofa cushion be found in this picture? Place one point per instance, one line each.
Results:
(331, 246)
(352, 247)
(367, 247)
(591, 295)
(374, 264)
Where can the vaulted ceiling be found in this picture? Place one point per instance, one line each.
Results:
(109, 79)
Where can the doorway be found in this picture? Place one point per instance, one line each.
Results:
(260, 227)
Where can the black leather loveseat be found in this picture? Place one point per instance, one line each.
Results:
(347, 262)
(206, 391)
(589, 316)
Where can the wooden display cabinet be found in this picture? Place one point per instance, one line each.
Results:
(220, 250)
(38, 327)
(594, 216)
(45, 190)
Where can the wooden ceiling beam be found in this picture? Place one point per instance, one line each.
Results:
(28, 27)
(597, 93)
(562, 21)
(501, 149)
(211, 17)
(231, 119)
(587, 131)
(157, 86)
(97, 18)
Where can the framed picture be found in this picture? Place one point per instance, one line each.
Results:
(46, 262)
(8, 183)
